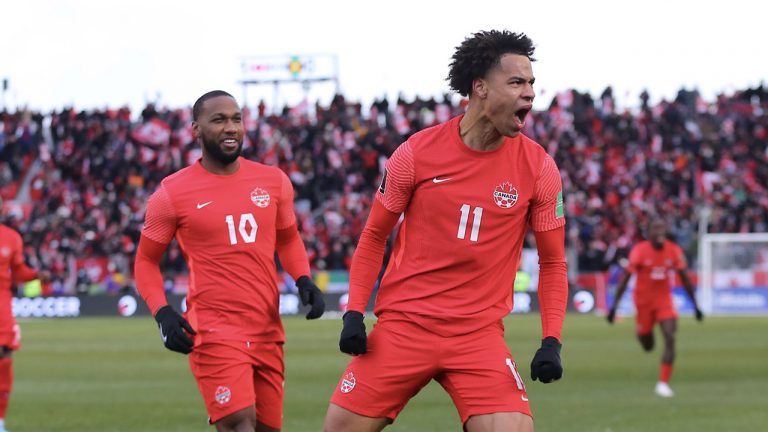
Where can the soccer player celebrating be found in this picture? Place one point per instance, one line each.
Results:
(469, 189)
(652, 260)
(229, 215)
(12, 269)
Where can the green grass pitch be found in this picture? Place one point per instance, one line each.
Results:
(112, 374)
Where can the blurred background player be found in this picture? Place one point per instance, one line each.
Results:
(469, 189)
(652, 260)
(229, 215)
(12, 270)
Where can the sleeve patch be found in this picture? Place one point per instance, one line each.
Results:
(383, 185)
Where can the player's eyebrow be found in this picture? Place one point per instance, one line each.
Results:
(523, 79)
(218, 115)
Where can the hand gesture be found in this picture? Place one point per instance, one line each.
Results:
(310, 294)
(174, 330)
(353, 339)
(546, 365)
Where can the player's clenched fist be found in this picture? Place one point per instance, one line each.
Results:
(174, 329)
(546, 365)
(310, 294)
(353, 339)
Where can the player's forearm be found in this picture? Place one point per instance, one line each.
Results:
(149, 283)
(366, 263)
(688, 287)
(553, 281)
(22, 273)
(369, 255)
(146, 272)
(553, 297)
(292, 254)
(621, 289)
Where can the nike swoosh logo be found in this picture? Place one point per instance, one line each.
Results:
(439, 180)
(162, 335)
(525, 399)
(199, 206)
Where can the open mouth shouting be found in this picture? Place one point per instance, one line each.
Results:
(519, 117)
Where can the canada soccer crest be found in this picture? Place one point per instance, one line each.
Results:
(223, 395)
(505, 195)
(260, 197)
(347, 383)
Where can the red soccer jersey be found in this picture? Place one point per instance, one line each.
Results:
(11, 261)
(453, 265)
(652, 267)
(226, 227)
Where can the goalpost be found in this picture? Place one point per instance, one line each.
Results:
(733, 273)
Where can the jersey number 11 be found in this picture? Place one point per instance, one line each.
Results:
(478, 216)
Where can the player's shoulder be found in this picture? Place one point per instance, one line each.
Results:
(436, 133)
(258, 167)
(257, 170)
(180, 176)
(9, 232)
(532, 146)
(528, 156)
(532, 153)
(642, 247)
(672, 246)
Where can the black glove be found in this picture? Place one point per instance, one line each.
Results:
(353, 339)
(611, 316)
(697, 312)
(309, 293)
(546, 363)
(172, 330)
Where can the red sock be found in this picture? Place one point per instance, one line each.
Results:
(6, 382)
(665, 373)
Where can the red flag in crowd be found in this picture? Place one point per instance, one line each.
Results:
(154, 132)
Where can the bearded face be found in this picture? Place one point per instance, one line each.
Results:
(224, 151)
(220, 130)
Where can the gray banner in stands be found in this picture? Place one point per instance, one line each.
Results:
(132, 305)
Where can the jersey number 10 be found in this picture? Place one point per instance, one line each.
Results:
(247, 228)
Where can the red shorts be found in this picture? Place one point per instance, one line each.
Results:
(234, 375)
(11, 339)
(649, 314)
(476, 370)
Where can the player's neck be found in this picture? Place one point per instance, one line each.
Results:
(478, 133)
(215, 167)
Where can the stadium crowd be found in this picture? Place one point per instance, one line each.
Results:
(79, 180)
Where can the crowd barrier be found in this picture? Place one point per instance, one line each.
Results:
(130, 305)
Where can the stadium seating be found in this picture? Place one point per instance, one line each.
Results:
(95, 170)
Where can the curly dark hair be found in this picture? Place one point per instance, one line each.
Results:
(197, 108)
(481, 52)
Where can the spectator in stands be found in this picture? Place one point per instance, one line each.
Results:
(96, 168)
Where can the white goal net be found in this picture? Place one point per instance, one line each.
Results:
(733, 273)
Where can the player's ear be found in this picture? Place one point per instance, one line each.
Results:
(479, 88)
(195, 129)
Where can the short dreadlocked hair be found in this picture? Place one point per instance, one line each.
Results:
(481, 52)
